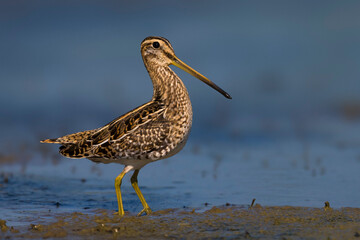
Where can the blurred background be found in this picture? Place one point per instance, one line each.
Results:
(290, 135)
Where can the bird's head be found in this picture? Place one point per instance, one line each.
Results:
(157, 51)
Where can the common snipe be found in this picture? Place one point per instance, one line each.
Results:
(156, 130)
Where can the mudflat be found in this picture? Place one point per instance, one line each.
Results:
(240, 222)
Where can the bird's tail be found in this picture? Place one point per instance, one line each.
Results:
(52, 140)
(71, 138)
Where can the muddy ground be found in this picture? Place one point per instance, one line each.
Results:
(234, 222)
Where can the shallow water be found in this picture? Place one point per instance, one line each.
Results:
(276, 169)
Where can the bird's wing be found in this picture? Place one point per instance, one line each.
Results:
(114, 131)
(150, 137)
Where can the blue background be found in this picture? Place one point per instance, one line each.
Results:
(289, 136)
(77, 64)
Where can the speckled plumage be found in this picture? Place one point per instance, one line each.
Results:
(153, 131)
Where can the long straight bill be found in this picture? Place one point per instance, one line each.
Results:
(180, 64)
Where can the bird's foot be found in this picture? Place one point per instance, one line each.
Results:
(146, 210)
(119, 214)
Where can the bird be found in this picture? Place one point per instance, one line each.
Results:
(155, 130)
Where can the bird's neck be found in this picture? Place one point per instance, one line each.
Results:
(168, 87)
(171, 91)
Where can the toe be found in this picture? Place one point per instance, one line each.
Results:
(145, 210)
(119, 214)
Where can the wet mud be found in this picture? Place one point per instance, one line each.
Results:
(240, 222)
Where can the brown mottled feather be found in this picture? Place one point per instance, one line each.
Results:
(71, 138)
(97, 143)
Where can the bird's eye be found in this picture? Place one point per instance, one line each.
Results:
(156, 44)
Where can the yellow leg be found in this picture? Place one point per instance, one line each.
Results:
(118, 181)
(134, 183)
